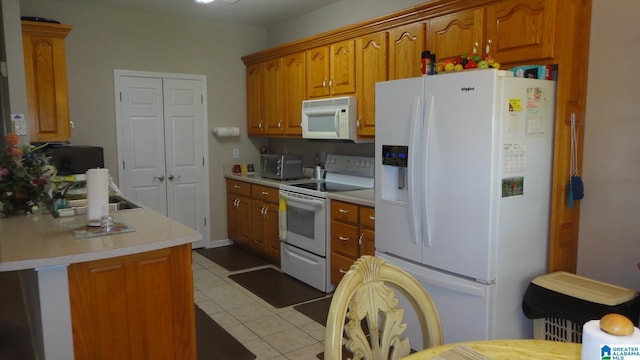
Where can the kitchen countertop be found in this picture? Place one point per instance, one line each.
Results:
(362, 197)
(40, 240)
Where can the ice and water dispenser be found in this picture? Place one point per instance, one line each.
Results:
(395, 172)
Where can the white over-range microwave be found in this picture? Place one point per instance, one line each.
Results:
(330, 119)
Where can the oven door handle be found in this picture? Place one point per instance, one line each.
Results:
(310, 202)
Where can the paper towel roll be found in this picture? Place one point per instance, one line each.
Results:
(226, 131)
(593, 338)
(97, 194)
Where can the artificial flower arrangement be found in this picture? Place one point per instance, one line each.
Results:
(25, 177)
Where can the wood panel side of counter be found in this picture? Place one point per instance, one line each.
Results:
(134, 307)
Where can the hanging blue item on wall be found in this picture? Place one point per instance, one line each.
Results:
(575, 188)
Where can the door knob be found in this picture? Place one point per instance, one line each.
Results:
(171, 177)
(159, 178)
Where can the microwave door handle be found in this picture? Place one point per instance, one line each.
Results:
(336, 122)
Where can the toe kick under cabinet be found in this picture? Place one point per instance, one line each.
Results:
(352, 235)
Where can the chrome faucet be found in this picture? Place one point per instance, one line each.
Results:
(69, 186)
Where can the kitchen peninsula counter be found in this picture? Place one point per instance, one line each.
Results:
(121, 295)
(40, 240)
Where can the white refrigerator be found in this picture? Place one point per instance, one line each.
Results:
(463, 166)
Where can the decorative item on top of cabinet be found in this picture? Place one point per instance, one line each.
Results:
(371, 67)
(331, 70)
(238, 205)
(45, 66)
(406, 44)
(352, 235)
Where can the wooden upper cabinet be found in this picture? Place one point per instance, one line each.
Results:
(295, 90)
(456, 34)
(45, 65)
(406, 44)
(371, 67)
(521, 29)
(255, 81)
(331, 70)
(318, 72)
(343, 68)
(272, 97)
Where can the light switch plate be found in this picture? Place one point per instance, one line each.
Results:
(236, 153)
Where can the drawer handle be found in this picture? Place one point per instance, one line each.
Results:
(236, 186)
(343, 211)
(342, 238)
(372, 217)
(265, 193)
(342, 271)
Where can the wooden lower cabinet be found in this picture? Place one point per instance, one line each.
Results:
(134, 307)
(352, 236)
(252, 218)
(264, 221)
(238, 212)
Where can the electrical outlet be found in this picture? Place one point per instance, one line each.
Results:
(19, 124)
(236, 153)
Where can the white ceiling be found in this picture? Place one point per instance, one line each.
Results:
(247, 12)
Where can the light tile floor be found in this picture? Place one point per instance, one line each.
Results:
(268, 332)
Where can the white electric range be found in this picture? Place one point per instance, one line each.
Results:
(305, 227)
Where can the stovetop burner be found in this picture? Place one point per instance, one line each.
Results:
(343, 173)
(325, 186)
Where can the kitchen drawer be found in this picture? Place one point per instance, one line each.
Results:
(344, 212)
(265, 193)
(344, 239)
(368, 217)
(340, 264)
(239, 187)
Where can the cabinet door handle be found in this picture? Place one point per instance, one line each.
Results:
(343, 211)
(342, 238)
(260, 125)
(342, 271)
(330, 83)
(324, 83)
(372, 217)
(360, 240)
(488, 47)
(279, 124)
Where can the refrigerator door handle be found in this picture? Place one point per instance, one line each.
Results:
(414, 191)
(426, 136)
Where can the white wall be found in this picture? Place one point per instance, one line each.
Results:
(15, 60)
(104, 39)
(609, 246)
(333, 16)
